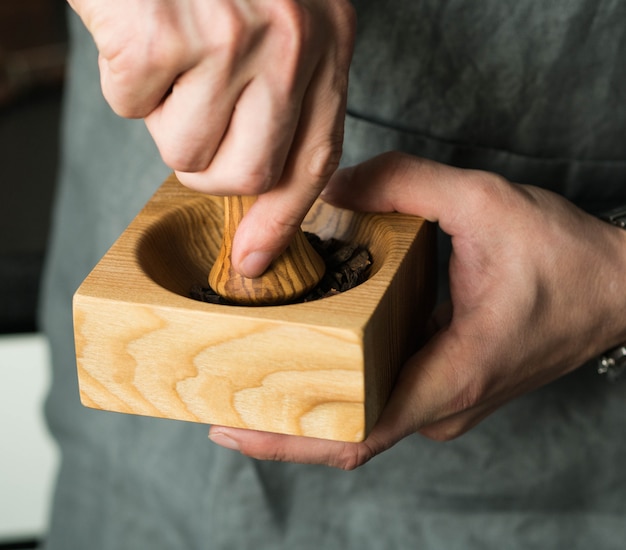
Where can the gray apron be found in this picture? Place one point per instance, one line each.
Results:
(533, 90)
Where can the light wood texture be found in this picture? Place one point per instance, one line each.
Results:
(294, 273)
(320, 369)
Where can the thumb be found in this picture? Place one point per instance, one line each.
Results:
(397, 182)
(299, 449)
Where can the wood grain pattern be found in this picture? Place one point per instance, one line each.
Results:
(294, 273)
(319, 369)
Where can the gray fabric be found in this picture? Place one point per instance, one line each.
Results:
(530, 89)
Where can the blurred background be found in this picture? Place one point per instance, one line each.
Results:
(32, 66)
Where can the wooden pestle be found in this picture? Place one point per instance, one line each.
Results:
(294, 273)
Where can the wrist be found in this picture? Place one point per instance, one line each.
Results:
(612, 362)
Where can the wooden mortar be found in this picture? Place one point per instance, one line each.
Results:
(321, 369)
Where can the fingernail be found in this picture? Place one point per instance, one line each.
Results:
(254, 264)
(224, 441)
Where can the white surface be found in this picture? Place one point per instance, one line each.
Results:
(28, 455)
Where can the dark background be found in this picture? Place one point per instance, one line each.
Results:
(32, 62)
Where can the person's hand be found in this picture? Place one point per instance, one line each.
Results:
(537, 288)
(242, 97)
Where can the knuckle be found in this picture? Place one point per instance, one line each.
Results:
(456, 415)
(201, 177)
(180, 160)
(231, 34)
(176, 155)
(119, 64)
(470, 393)
(352, 456)
(232, 28)
(323, 160)
(278, 227)
(254, 179)
(292, 28)
(485, 189)
(349, 463)
(443, 431)
(131, 64)
(291, 18)
(252, 183)
(232, 23)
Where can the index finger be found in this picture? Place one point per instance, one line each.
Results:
(314, 156)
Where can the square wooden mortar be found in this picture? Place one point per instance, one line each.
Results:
(320, 369)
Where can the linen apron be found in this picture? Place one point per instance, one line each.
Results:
(530, 89)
